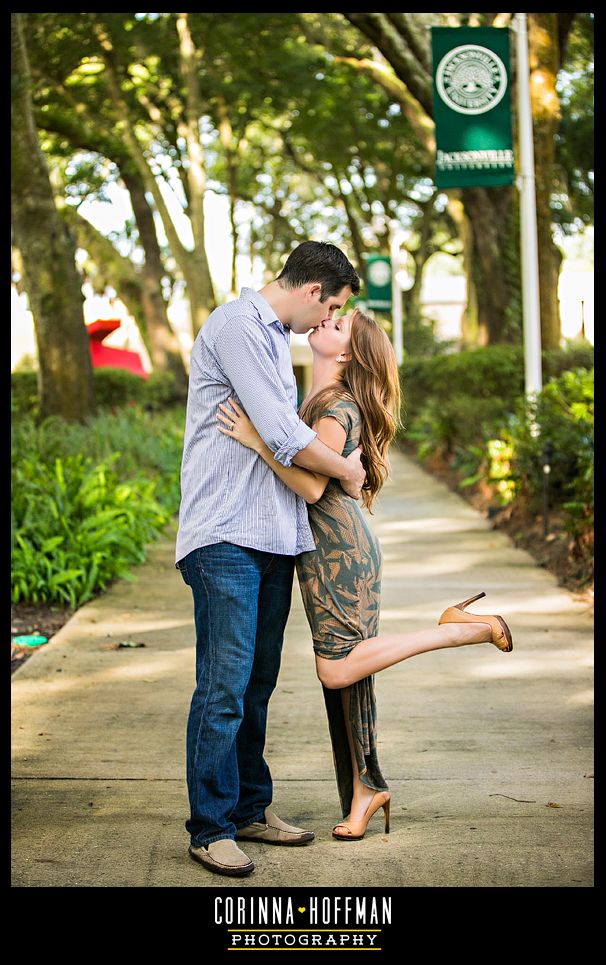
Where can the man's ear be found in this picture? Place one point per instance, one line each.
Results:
(314, 289)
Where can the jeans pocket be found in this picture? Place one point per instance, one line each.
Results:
(182, 567)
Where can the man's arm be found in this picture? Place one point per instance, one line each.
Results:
(309, 485)
(244, 353)
(319, 458)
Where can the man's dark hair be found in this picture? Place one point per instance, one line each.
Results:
(317, 261)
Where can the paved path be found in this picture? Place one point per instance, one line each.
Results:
(476, 745)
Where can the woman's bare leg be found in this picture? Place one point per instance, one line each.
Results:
(377, 653)
(362, 795)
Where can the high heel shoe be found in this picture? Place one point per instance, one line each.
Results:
(357, 829)
(501, 634)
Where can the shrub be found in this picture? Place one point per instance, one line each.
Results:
(565, 414)
(24, 393)
(114, 388)
(161, 391)
(76, 528)
(448, 424)
(455, 399)
(422, 341)
(557, 361)
(471, 407)
(495, 372)
(88, 498)
(485, 373)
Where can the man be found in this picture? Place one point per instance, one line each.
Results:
(240, 528)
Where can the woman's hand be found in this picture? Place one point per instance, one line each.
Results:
(239, 426)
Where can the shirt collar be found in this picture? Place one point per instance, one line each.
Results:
(266, 312)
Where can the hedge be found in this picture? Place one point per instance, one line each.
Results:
(113, 388)
(88, 499)
(471, 408)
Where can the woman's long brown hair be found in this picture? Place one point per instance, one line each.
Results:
(371, 380)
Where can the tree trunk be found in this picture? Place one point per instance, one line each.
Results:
(226, 136)
(110, 267)
(411, 299)
(196, 173)
(252, 240)
(163, 345)
(142, 293)
(354, 231)
(420, 255)
(48, 254)
(544, 62)
(234, 233)
(469, 320)
(193, 264)
(495, 262)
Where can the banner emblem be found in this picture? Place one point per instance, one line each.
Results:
(471, 79)
(472, 107)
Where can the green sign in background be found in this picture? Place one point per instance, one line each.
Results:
(378, 282)
(472, 106)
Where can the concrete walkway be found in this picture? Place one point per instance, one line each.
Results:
(478, 747)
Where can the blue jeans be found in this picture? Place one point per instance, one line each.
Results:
(242, 599)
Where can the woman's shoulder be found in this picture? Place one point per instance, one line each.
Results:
(344, 409)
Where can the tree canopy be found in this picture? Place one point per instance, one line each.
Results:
(311, 123)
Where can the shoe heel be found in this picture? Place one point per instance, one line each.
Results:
(386, 813)
(472, 599)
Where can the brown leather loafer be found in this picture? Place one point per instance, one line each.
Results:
(224, 857)
(274, 831)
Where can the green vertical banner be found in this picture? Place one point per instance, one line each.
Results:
(378, 283)
(472, 106)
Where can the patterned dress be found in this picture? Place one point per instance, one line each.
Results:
(340, 585)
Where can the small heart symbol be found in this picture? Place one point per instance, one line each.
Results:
(301, 909)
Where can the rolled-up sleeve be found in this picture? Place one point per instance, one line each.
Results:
(244, 352)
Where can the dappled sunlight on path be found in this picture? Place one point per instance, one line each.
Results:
(474, 744)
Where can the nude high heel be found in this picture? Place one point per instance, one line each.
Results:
(501, 634)
(357, 829)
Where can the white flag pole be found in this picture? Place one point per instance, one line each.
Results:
(528, 219)
(397, 335)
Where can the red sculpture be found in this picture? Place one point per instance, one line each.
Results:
(107, 356)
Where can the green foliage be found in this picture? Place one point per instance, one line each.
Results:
(422, 341)
(448, 424)
(573, 204)
(565, 415)
(493, 373)
(470, 407)
(574, 356)
(499, 456)
(321, 130)
(87, 500)
(114, 388)
(27, 363)
(161, 391)
(24, 393)
(77, 527)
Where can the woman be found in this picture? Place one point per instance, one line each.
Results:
(354, 399)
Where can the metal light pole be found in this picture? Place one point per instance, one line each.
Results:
(397, 238)
(528, 219)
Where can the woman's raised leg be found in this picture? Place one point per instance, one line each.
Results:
(378, 653)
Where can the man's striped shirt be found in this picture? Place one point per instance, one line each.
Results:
(228, 493)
